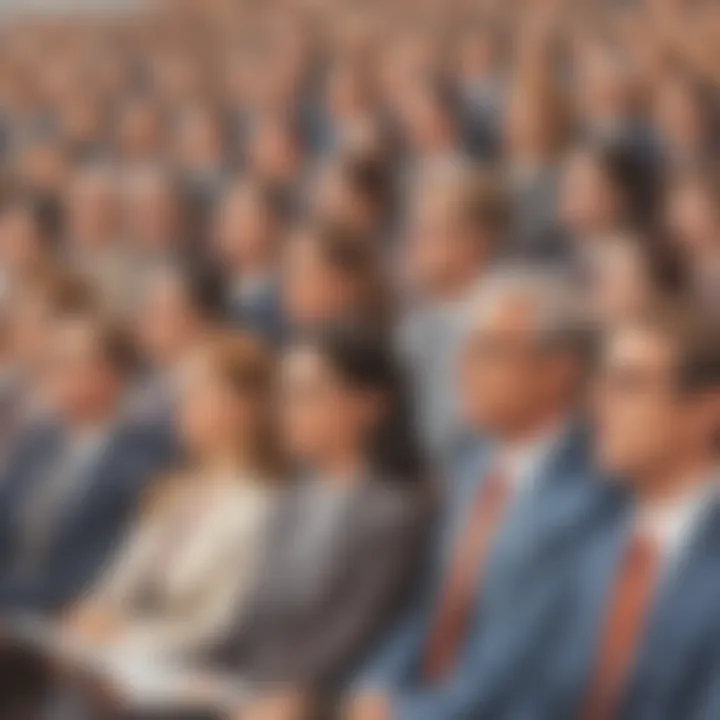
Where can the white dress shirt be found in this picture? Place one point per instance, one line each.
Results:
(672, 525)
(521, 463)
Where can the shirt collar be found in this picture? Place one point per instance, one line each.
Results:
(672, 524)
(522, 463)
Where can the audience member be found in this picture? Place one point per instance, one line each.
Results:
(74, 480)
(169, 596)
(638, 636)
(348, 535)
(458, 201)
(524, 486)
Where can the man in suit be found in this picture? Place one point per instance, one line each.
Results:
(72, 484)
(641, 637)
(515, 510)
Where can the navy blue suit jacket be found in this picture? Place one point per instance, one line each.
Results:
(87, 528)
(514, 602)
(675, 668)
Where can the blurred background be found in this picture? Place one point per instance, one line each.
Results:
(285, 286)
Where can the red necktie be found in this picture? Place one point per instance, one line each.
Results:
(466, 568)
(627, 609)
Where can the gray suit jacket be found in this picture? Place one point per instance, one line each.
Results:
(335, 575)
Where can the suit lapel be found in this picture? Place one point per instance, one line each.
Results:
(543, 515)
(33, 473)
(686, 610)
(95, 477)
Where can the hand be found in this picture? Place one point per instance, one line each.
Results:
(290, 704)
(369, 706)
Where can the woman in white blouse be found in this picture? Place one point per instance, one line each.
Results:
(192, 559)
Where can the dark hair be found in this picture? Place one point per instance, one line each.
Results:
(368, 177)
(363, 362)
(117, 347)
(111, 341)
(663, 263)
(41, 209)
(635, 174)
(201, 286)
(346, 253)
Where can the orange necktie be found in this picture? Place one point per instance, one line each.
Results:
(626, 611)
(466, 569)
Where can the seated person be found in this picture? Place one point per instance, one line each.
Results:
(520, 501)
(639, 635)
(72, 483)
(348, 537)
(191, 560)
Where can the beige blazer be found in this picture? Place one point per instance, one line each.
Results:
(197, 558)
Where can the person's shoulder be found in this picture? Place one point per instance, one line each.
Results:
(141, 449)
(141, 435)
(33, 442)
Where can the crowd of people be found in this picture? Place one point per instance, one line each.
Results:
(361, 360)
